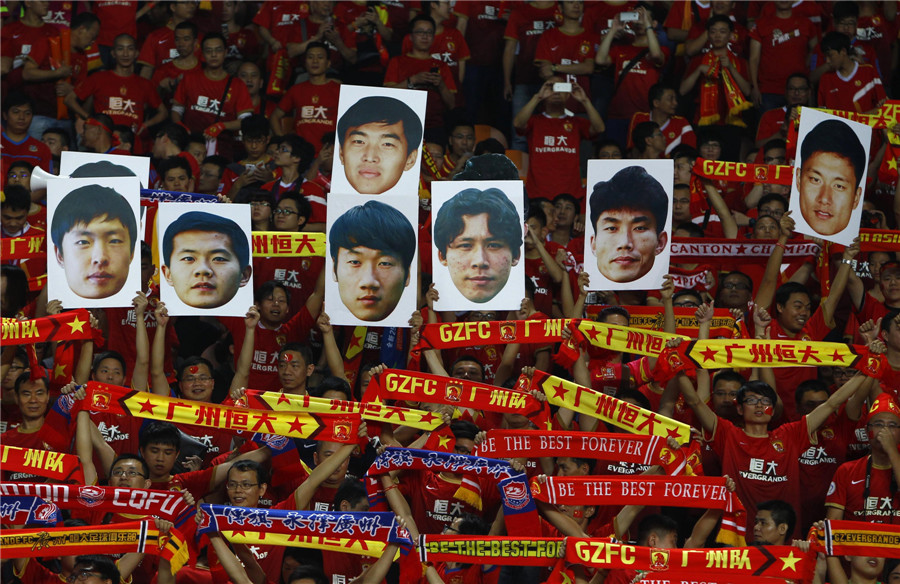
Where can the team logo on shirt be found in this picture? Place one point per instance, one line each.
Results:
(90, 496)
(671, 135)
(305, 263)
(315, 98)
(857, 83)
(453, 392)
(491, 353)
(508, 331)
(32, 148)
(282, 339)
(778, 445)
(828, 434)
(568, 127)
(659, 559)
(451, 46)
(585, 47)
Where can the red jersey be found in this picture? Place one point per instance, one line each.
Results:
(449, 46)
(198, 482)
(740, 40)
(770, 122)
(740, 65)
(344, 567)
(484, 30)
(683, 14)
(19, 42)
(553, 148)
(631, 93)
(120, 431)
(124, 99)
(677, 131)
(598, 14)
(785, 45)
(298, 274)
(159, 47)
(861, 91)
(264, 368)
(433, 504)
(122, 332)
(44, 438)
(536, 270)
(36, 573)
(762, 466)
(282, 18)
(314, 108)
(405, 66)
(317, 195)
(788, 378)
(29, 149)
(242, 45)
(864, 493)
(560, 48)
(117, 17)
(525, 26)
(201, 98)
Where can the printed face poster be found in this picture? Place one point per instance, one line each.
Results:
(478, 236)
(206, 259)
(829, 176)
(371, 260)
(379, 141)
(91, 164)
(628, 223)
(95, 256)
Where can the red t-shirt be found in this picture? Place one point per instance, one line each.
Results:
(202, 98)
(242, 45)
(784, 49)
(314, 108)
(484, 30)
(282, 19)
(405, 66)
(432, 502)
(739, 63)
(770, 122)
(525, 26)
(449, 47)
(124, 99)
(30, 149)
(859, 92)
(848, 492)
(762, 467)
(116, 17)
(631, 95)
(20, 42)
(158, 47)
(553, 147)
(264, 368)
(677, 131)
(317, 195)
(560, 48)
(122, 325)
(44, 438)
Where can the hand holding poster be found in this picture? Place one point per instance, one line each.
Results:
(829, 176)
(626, 243)
(478, 239)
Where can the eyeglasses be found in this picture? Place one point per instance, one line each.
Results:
(259, 203)
(735, 286)
(752, 401)
(130, 473)
(234, 486)
(771, 212)
(196, 378)
(423, 32)
(285, 212)
(882, 425)
(481, 316)
(81, 576)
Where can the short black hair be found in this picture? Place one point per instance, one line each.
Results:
(535, 211)
(807, 386)
(192, 361)
(464, 429)
(267, 288)
(130, 456)
(693, 229)
(16, 198)
(503, 220)
(728, 375)
(350, 490)
(211, 36)
(718, 18)
(467, 359)
(262, 475)
(188, 25)
(304, 350)
(318, 45)
(26, 376)
(566, 197)
(304, 207)
(844, 9)
(489, 146)
(333, 383)
(684, 151)
(90, 202)
(835, 137)
(377, 226)
(759, 388)
(739, 274)
(631, 188)
(768, 198)
(301, 149)
(661, 525)
(473, 525)
(784, 292)
(641, 132)
(782, 513)
(611, 310)
(308, 572)
(176, 133)
(422, 18)
(256, 126)
(217, 160)
(105, 566)
(172, 163)
(160, 433)
(63, 135)
(17, 98)
(380, 109)
(203, 221)
(775, 143)
(835, 41)
(657, 90)
(115, 355)
(633, 394)
(84, 19)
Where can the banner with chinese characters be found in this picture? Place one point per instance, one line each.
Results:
(120, 400)
(773, 174)
(73, 325)
(281, 244)
(621, 414)
(23, 248)
(467, 334)
(376, 412)
(887, 117)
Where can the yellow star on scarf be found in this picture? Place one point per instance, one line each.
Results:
(78, 325)
(892, 163)
(444, 441)
(790, 561)
(59, 371)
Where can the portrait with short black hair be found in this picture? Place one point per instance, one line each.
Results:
(627, 231)
(829, 176)
(93, 229)
(379, 141)
(91, 164)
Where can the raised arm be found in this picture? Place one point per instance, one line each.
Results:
(304, 493)
(245, 357)
(704, 413)
(159, 383)
(141, 344)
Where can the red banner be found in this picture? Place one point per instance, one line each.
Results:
(495, 332)
(58, 466)
(23, 248)
(773, 174)
(599, 445)
(694, 250)
(67, 326)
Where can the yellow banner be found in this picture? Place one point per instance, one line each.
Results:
(372, 411)
(598, 405)
(628, 340)
(360, 547)
(888, 116)
(280, 244)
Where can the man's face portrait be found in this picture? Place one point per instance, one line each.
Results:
(370, 281)
(204, 269)
(96, 257)
(626, 244)
(479, 262)
(374, 157)
(828, 193)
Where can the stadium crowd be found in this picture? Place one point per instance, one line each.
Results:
(239, 100)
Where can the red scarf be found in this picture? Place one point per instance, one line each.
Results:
(709, 93)
(495, 332)
(58, 466)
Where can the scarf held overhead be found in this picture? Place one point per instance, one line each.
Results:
(602, 446)
(72, 325)
(856, 538)
(58, 466)
(773, 174)
(466, 334)
(120, 400)
(287, 245)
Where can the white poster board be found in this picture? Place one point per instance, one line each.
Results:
(91, 164)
